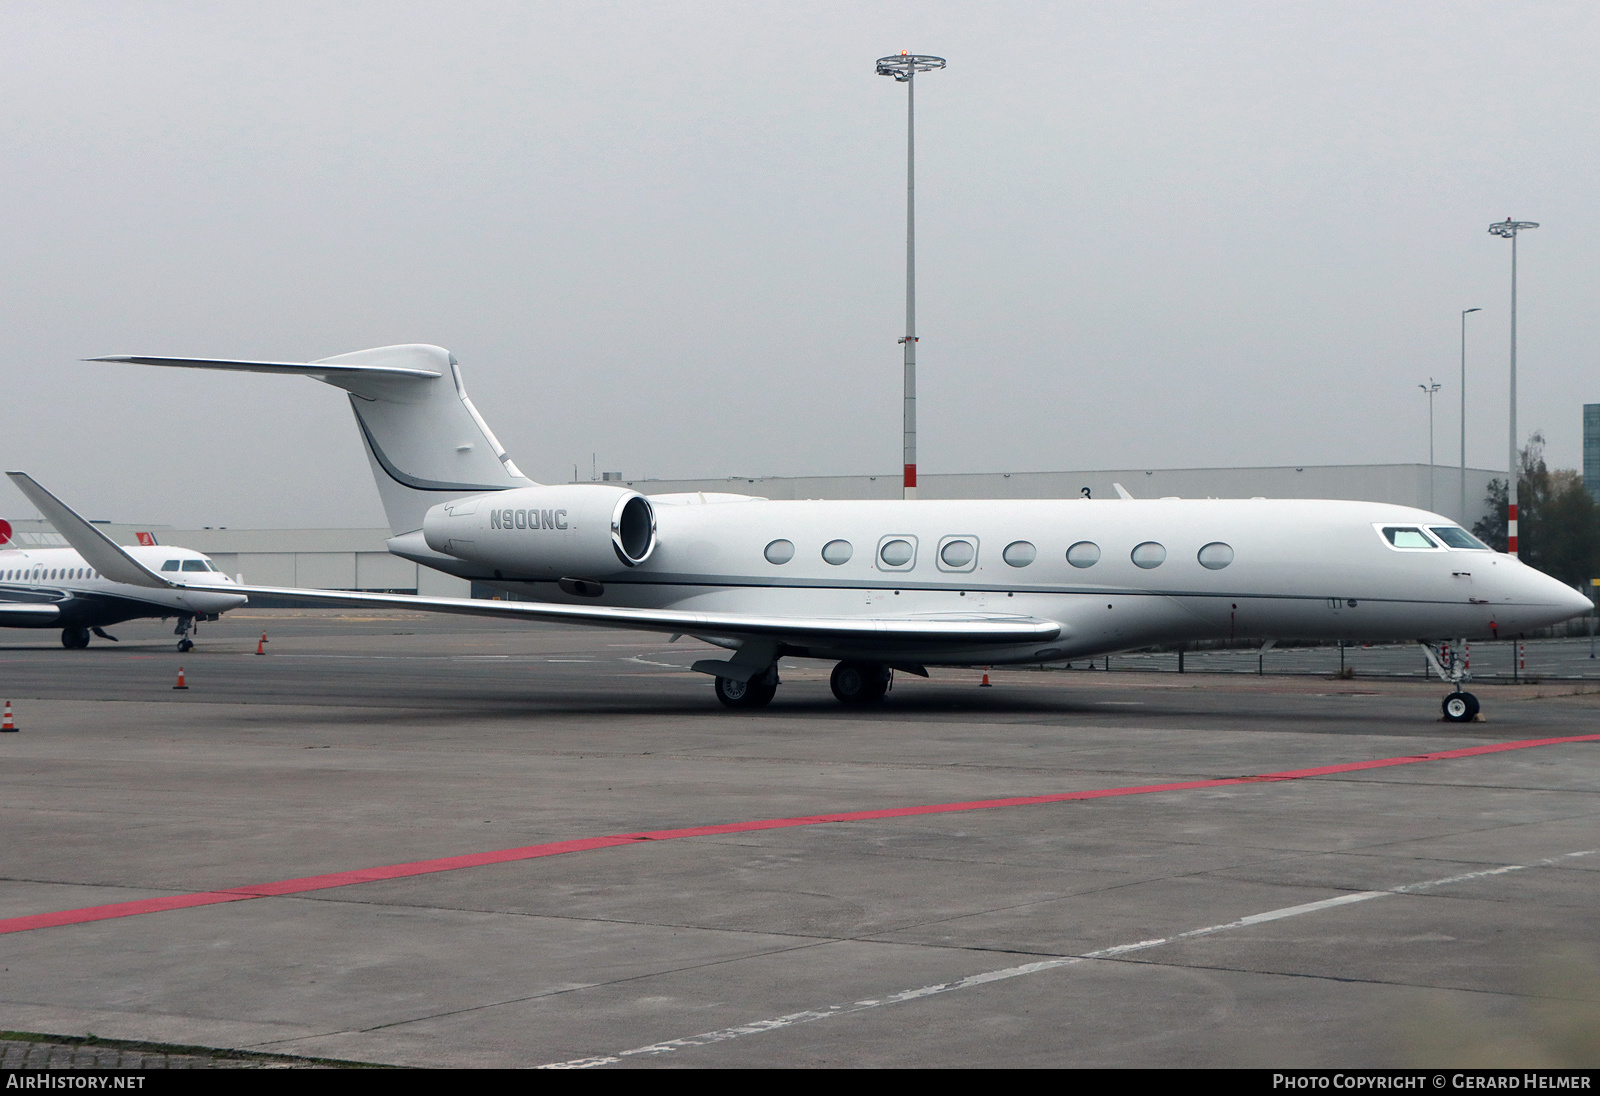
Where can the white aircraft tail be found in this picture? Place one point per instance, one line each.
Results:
(426, 442)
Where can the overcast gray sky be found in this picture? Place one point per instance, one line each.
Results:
(1150, 234)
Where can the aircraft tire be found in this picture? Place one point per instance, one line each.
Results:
(859, 683)
(1460, 707)
(185, 644)
(746, 694)
(74, 639)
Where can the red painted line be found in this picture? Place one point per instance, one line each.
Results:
(585, 844)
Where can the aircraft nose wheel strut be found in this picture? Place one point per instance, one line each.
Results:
(1451, 666)
(185, 626)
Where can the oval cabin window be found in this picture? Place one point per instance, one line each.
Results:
(837, 552)
(896, 553)
(779, 551)
(1085, 553)
(1216, 555)
(1019, 553)
(1148, 555)
(957, 553)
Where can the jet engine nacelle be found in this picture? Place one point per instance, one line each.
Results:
(546, 532)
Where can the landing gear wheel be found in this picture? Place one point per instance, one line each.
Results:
(755, 693)
(185, 644)
(74, 639)
(1460, 707)
(857, 683)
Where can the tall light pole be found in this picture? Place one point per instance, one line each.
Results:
(1429, 389)
(1509, 229)
(1464, 312)
(904, 68)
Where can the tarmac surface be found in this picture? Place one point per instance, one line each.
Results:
(1437, 912)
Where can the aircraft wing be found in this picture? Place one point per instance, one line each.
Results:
(25, 614)
(98, 550)
(955, 629)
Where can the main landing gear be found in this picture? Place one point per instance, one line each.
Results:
(1451, 666)
(74, 639)
(755, 693)
(860, 683)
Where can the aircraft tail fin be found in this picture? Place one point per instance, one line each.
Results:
(425, 440)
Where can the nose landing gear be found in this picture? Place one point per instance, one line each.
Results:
(1449, 663)
(1460, 707)
(185, 626)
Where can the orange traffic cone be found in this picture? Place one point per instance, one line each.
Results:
(984, 684)
(261, 647)
(180, 684)
(8, 725)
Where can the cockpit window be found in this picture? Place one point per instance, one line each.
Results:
(1456, 537)
(170, 565)
(1407, 536)
(195, 565)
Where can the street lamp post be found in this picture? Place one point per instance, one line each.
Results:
(1508, 229)
(904, 68)
(1429, 390)
(1464, 411)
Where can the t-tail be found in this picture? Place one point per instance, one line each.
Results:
(426, 442)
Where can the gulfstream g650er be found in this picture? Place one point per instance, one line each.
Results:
(886, 585)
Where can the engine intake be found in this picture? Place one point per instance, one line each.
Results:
(546, 532)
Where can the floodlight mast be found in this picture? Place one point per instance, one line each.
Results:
(1508, 229)
(904, 67)
(1464, 313)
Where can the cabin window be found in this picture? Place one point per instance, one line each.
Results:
(897, 553)
(958, 554)
(1407, 536)
(194, 565)
(170, 565)
(1216, 555)
(1085, 553)
(779, 551)
(1457, 537)
(837, 552)
(1019, 553)
(1148, 555)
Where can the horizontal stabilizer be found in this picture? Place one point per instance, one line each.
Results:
(320, 370)
(98, 550)
(952, 630)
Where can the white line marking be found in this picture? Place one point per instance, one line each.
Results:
(647, 662)
(756, 1027)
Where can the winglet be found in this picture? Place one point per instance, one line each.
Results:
(1122, 492)
(98, 550)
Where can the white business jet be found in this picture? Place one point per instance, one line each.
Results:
(60, 588)
(901, 585)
